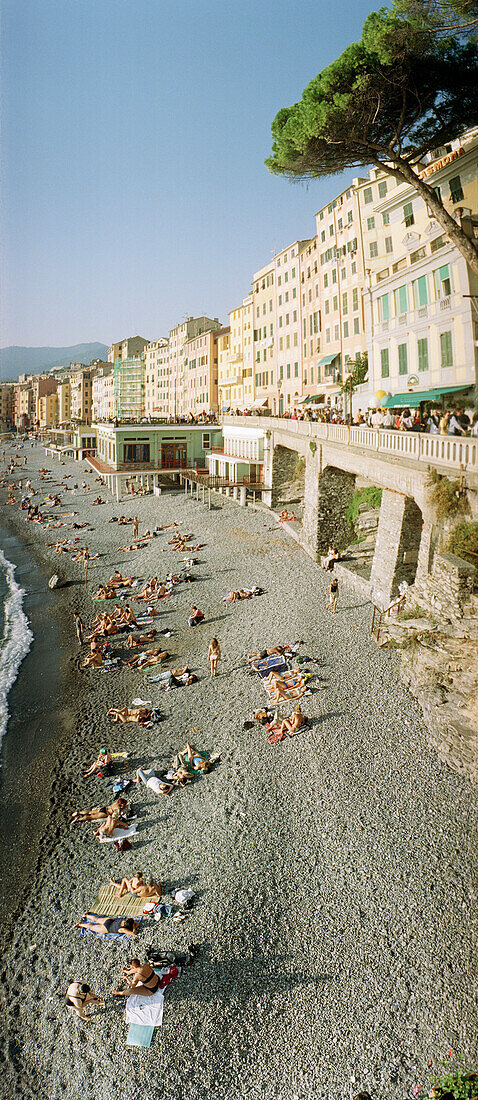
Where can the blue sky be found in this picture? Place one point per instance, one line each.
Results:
(134, 137)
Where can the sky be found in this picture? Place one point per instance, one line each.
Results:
(134, 190)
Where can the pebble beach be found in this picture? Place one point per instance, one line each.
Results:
(333, 873)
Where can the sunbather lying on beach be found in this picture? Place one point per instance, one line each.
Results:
(174, 677)
(118, 581)
(137, 886)
(112, 821)
(103, 925)
(141, 639)
(103, 762)
(147, 659)
(239, 594)
(191, 761)
(143, 980)
(280, 687)
(157, 783)
(94, 659)
(262, 653)
(129, 714)
(99, 813)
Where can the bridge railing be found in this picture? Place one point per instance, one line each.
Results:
(453, 451)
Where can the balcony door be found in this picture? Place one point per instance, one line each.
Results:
(173, 456)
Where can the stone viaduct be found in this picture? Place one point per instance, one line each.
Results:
(398, 462)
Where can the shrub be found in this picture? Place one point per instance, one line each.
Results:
(370, 495)
(448, 497)
(463, 541)
(299, 469)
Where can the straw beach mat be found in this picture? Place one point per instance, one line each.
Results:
(127, 906)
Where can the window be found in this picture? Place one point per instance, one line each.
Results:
(327, 336)
(350, 217)
(370, 223)
(334, 275)
(279, 280)
(442, 281)
(354, 268)
(346, 329)
(386, 219)
(335, 303)
(355, 298)
(336, 332)
(388, 244)
(399, 265)
(384, 308)
(420, 291)
(422, 354)
(401, 300)
(418, 255)
(293, 272)
(437, 243)
(456, 190)
(294, 292)
(384, 363)
(382, 189)
(296, 370)
(408, 216)
(294, 315)
(288, 370)
(322, 235)
(280, 322)
(340, 224)
(326, 281)
(280, 299)
(368, 195)
(373, 249)
(402, 359)
(356, 326)
(446, 350)
(345, 303)
(281, 343)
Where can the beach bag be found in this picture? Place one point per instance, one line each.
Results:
(184, 895)
(122, 845)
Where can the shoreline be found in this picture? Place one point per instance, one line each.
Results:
(311, 859)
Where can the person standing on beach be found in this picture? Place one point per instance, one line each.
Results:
(334, 595)
(135, 528)
(214, 655)
(79, 626)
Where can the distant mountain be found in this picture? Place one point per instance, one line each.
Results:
(15, 360)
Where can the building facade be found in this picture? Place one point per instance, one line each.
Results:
(7, 395)
(265, 362)
(127, 349)
(156, 369)
(287, 387)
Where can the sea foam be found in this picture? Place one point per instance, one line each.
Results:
(17, 637)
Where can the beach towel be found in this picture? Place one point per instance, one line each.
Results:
(118, 834)
(276, 661)
(105, 935)
(293, 688)
(139, 1036)
(127, 906)
(148, 1011)
(274, 736)
(280, 667)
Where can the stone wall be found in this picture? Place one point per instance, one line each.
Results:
(284, 466)
(397, 546)
(448, 589)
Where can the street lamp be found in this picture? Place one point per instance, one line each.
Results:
(348, 387)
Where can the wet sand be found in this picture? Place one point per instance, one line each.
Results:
(333, 872)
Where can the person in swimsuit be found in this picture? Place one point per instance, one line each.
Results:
(294, 723)
(142, 979)
(103, 761)
(98, 813)
(78, 995)
(334, 595)
(137, 887)
(278, 650)
(102, 925)
(191, 761)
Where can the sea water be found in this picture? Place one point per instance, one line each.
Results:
(15, 635)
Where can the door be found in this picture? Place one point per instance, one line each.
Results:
(167, 456)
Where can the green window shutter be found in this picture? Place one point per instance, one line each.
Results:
(446, 349)
(355, 298)
(401, 303)
(385, 307)
(423, 354)
(422, 289)
(402, 359)
(384, 362)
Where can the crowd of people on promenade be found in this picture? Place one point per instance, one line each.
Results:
(434, 421)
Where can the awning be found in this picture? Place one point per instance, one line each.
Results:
(413, 400)
(260, 403)
(327, 360)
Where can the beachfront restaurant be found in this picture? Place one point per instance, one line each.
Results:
(242, 461)
(75, 442)
(147, 455)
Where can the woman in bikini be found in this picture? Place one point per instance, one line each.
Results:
(143, 980)
(78, 995)
(294, 723)
(101, 926)
(99, 813)
(129, 714)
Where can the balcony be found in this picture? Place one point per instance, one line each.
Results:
(445, 303)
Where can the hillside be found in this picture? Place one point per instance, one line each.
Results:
(17, 360)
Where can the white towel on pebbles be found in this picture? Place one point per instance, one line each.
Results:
(147, 1011)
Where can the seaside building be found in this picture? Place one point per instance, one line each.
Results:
(200, 392)
(64, 401)
(81, 379)
(128, 388)
(48, 410)
(265, 363)
(102, 393)
(7, 395)
(223, 369)
(146, 454)
(289, 368)
(244, 459)
(422, 322)
(179, 337)
(127, 349)
(156, 368)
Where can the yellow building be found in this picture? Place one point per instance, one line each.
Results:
(48, 406)
(265, 362)
(102, 393)
(421, 324)
(236, 358)
(156, 381)
(64, 401)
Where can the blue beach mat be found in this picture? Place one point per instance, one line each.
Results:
(139, 1035)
